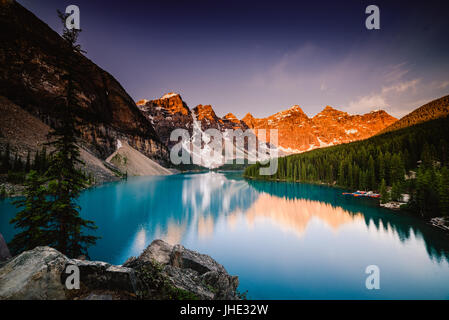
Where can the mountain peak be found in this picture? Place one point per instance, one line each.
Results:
(248, 116)
(230, 116)
(142, 102)
(329, 111)
(329, 108)
(170, 102)
(170, 95)
(296, 108)
(205, 111)
(380, 111)
(292, 112)
(249, 120)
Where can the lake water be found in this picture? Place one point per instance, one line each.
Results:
(283, 240)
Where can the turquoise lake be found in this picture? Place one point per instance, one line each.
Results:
(283, 240)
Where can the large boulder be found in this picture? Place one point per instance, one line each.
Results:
(34, 275)
(39, 274)
(4, 251)
(189, 270)
(97, 275)
(162, 271)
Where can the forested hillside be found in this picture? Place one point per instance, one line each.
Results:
(412, 160)
(438, 108)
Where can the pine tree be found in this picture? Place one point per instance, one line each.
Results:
(341, 174)
(396, 191)
(371, 174)
(443, 190)
(17, 164)
(426, 156)
(350, 183)
(381, 166)
(65, 179)
(6, 158)
(33, 218)
(35, 165)
(383, 192)
(28, 163)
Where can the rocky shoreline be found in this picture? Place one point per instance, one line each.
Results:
(440, 222)
(162, 271)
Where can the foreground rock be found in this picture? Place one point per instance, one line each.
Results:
(161, 272)
(189, 271)
(4, 251)
(440, 222)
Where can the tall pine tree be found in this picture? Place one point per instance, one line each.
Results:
(32, 220)
(443, 190)
(66, 180)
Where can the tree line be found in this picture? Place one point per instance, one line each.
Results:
(411, 160)
(17, 169)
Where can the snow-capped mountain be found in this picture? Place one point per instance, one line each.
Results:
(170, 112)
(296, 131)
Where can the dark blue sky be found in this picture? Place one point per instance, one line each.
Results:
(262, 57)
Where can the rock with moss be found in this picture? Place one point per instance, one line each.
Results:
(186, 270)
(162, 271)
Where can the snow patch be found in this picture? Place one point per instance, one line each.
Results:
(169, 95)
(351, 131)
(139, 103)
(289, 150)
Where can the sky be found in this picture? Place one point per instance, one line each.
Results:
(266, 56)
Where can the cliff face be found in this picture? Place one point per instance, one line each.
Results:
(166, 114)
(294, 128)
(33, 59)
(297, 132)
(170, 112)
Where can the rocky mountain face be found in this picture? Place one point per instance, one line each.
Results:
(170, 112)
(33, 61)
(435, 109)
(25, 133)
(166, 114)
(162, 271)
(298, 133)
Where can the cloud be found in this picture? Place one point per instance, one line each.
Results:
(396, 72)
(401, 87)
(313, 76)
(323, 86)
(366, 104)
(443, 85)
(382, 99)
(289, 72)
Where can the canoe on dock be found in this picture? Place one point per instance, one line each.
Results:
(368, 194)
